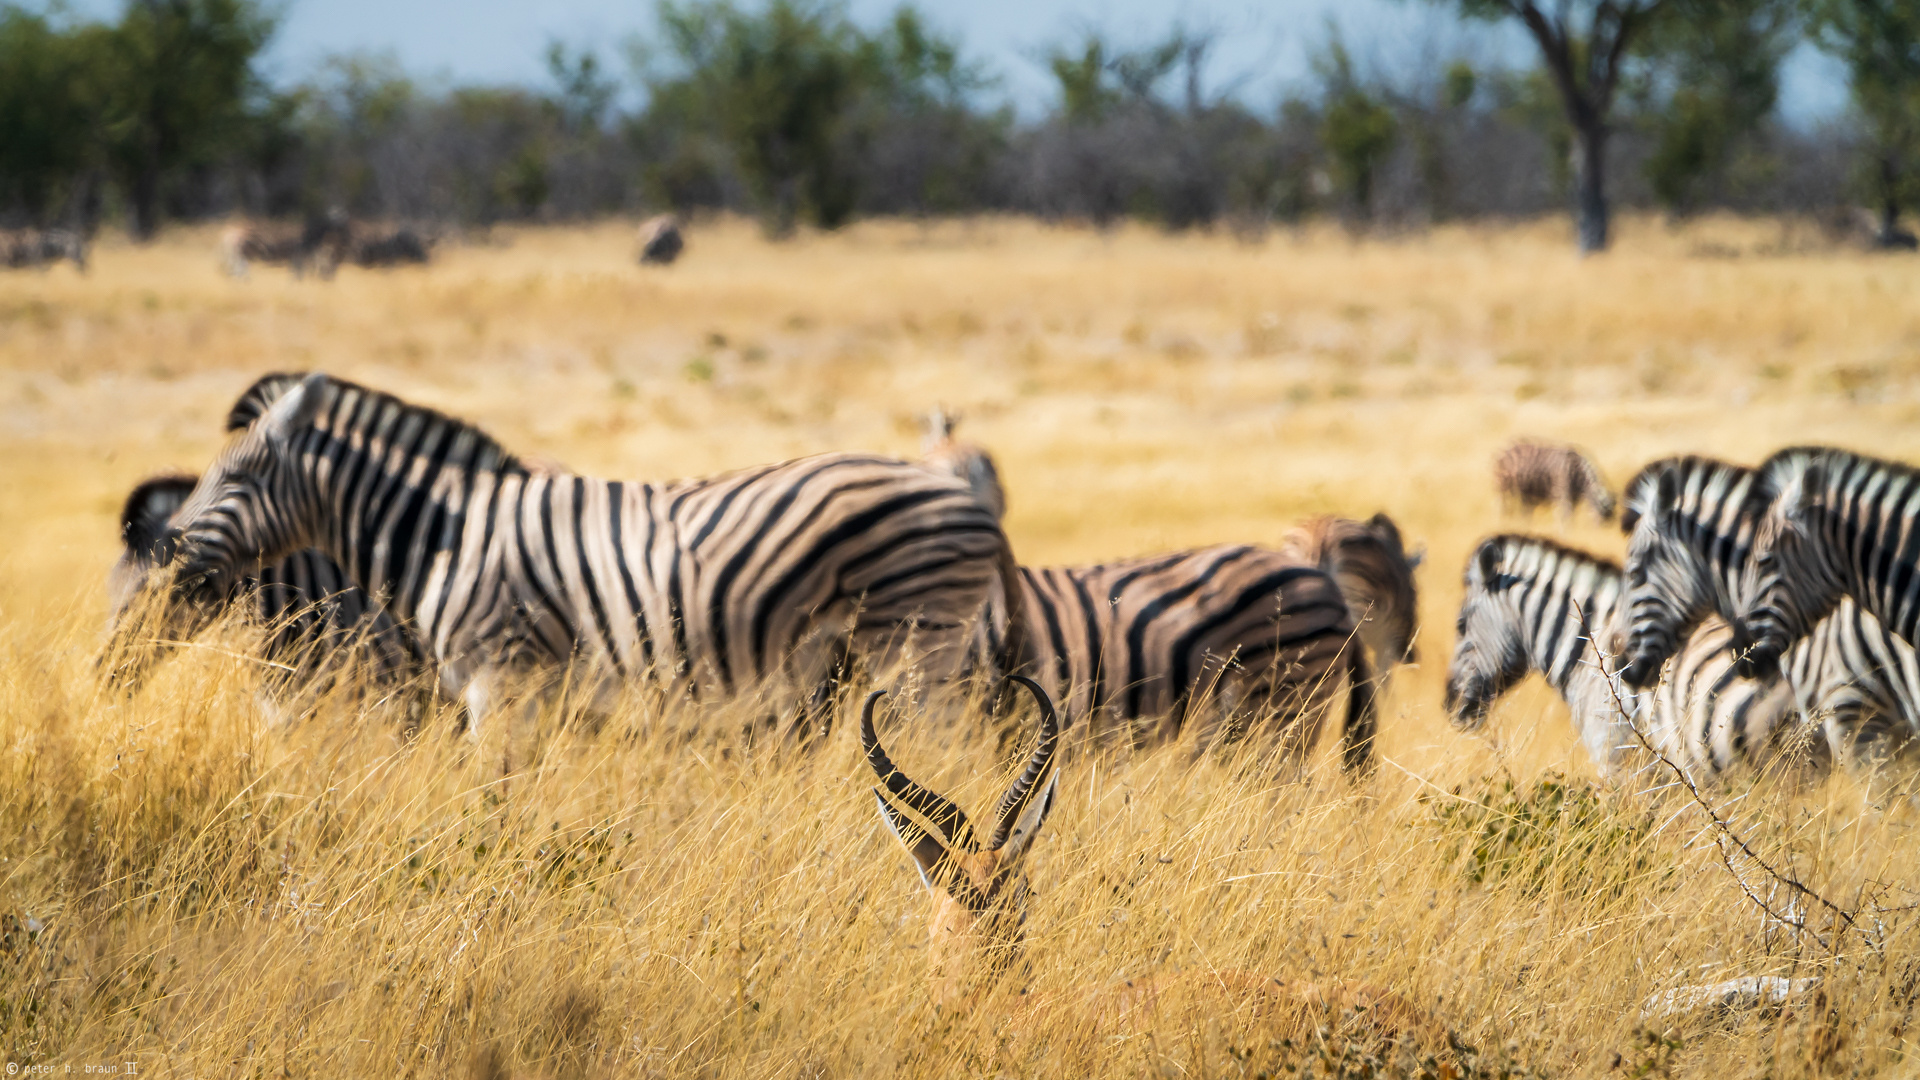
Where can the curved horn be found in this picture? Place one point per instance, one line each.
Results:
(940, 812)
(1015, 801)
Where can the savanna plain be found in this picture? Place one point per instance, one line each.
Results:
(189, 888)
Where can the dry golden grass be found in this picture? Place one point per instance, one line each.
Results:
(184, 888)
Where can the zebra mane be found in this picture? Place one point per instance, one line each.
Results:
(1642, 492)
(1494, 553)
(268, 389)
(1831, 460)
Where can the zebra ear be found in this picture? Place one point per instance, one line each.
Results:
(1488, 558)
(1796, 497)
(1418, 556)
(296, 408)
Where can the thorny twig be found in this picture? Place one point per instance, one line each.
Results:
(1724, 834)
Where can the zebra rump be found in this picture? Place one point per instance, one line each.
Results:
(320, 629)
(1534, 605)
(1227, 642)
(1370, 561)
(507, 575)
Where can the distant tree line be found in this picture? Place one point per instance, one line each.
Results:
(789, 110)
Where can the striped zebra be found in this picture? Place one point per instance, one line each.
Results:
(1535, 474)
(1833, 524)
(1370, 561)
(1220, 643)
(778, 574)
(321, 631)
(965, 461)
(1534, 605)
(1693, 523)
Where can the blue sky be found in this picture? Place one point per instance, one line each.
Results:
(1263, 49)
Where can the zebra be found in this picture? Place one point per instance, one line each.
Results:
(1694, 523)
(322, 631)
(505, 575)
(36, 249)
(388, 247)
(1535, 605)
(1375, 573)
(1208, 642)
(1833, 524)
(966, 461)
(660, 240)
(323, 239)
(1533, 474)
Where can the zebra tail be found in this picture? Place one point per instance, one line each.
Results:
(1363, 714)
(1013, 648)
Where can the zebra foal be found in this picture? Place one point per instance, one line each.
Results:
(507, 575)
(1534, 605)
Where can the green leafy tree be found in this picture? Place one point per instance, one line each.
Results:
(47, 110)
(1583, 47)
(1356, 127)
(180, 87)
(1718, 66)
(1879, 40)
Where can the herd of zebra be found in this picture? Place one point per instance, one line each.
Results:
(1763, 615)
(323, 243)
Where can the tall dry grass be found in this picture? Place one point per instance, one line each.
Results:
(187, 888)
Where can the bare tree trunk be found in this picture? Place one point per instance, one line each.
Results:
(1590, 186)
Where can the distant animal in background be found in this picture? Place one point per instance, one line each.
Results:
(1535, 474)
(660, 240)
(942, 453)
(322, 242)
(1375, 573)
(37, 249)
(403, 246)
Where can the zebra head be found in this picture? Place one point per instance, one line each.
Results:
(1491, 654)
(1683, 515)
(1795, 577)
(979, 892)
(243, 511)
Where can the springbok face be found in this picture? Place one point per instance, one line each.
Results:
(1670, 587)
(221, 532)
(1491, 653)
(979, 893)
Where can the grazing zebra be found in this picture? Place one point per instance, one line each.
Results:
(504, 574)
(1533, 474)
(1693, 523)
(401, 246)
(660, 240)
(322, 630)
(1224, 642)
(1375, 573)
(322, 240)
(966, 461)
(30, 249)
(1833, 524)
(1534, 605)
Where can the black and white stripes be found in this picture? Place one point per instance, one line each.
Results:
(505, 574)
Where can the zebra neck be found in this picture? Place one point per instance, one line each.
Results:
(1564, 624)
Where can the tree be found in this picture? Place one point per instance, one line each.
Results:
(1583, 46)
(1356, 128)
(180, 86)
(46, 114)
(1879, 40)
(1717, 79)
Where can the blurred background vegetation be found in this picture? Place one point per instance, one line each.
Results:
(792, 111)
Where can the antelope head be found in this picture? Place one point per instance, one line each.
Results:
(978, 891)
